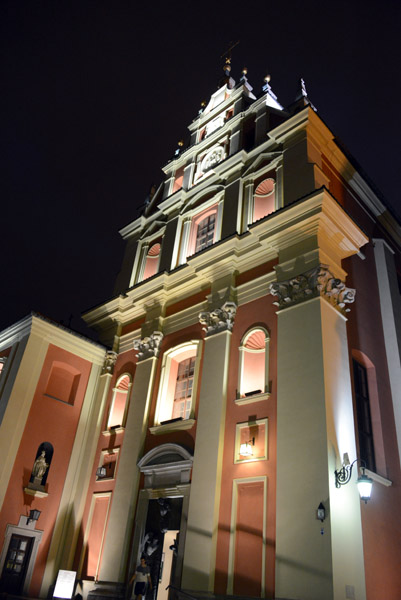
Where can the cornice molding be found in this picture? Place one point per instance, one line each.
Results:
(68, 340)
(317, 219)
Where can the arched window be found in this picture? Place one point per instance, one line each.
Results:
(264, 201)
(119, 403)
(203, 230)
(254, 363)
(177, 383)
(152, 260)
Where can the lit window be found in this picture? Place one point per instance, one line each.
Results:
(202, 231)
(2, 363)
(178, 180)
(152, 260)
(264, 199)
(177, 383)
(183, 388)
(119, 403)
(205, 232)
(254, 362)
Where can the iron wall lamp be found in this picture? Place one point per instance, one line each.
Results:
(34, 515)
(321, 512)
(364, 483)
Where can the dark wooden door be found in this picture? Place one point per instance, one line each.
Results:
(16, 564)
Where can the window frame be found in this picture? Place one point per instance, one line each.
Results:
(165, 382)
(187, 226)
(242, 398)
(115, 390)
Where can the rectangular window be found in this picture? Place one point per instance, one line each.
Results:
(205, 232)
(364, 421)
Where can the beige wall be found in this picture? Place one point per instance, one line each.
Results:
(314, 423)
(119, 528)
(201, 537)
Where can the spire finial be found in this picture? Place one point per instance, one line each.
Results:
(227, 55)
(303, 94)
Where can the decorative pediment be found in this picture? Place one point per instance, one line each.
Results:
(263, 160)
(202, 197)
(154, 227)
(168, 464)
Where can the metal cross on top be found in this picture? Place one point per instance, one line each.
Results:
(231, 46)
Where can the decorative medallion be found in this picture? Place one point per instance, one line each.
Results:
(148, 346)
(213, 157)
(316, 282)
(220, 319)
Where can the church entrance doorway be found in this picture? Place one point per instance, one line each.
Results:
(160, 543)
(16, 564)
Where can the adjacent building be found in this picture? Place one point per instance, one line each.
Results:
(251, 351)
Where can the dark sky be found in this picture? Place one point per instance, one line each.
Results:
(95, 96)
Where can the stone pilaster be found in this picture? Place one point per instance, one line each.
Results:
(118, 535)
(201, 538)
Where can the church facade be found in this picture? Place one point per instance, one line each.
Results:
(249, 367)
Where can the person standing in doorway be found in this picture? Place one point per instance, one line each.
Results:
(141, 578)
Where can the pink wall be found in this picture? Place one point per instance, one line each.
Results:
(50, 421)
(257, 313)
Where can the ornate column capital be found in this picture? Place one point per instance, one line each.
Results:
(148, 346)
(219, 319)
(316, 282)
(109, 362)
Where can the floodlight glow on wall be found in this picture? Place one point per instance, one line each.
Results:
(364, 483)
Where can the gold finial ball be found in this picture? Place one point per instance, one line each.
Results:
(244, 71)
(181, 143)
(203, 103)
(267, 78)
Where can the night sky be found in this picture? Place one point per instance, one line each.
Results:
(95, 96)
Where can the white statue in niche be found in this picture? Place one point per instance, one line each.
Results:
(39, 466)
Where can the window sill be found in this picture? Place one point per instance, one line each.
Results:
(109, 432)
(378, 478)
(169, 427)
(254, 398)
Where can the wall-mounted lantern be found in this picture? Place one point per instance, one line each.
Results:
(246, 449)
(364, 483)
(34, 515)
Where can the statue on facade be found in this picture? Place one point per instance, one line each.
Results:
(39, 466)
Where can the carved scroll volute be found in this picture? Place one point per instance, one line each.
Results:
(316, 282)
(219, 319)
(149, 346)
